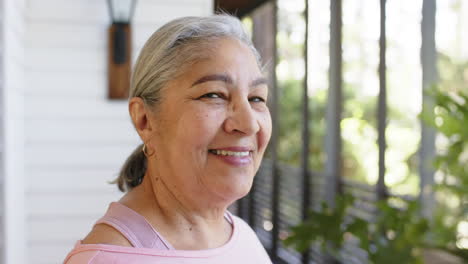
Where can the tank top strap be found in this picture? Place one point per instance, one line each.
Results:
(228, 216)
(133, 226)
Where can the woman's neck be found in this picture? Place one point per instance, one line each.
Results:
(183, 221)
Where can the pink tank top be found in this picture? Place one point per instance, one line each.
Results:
(150, 247)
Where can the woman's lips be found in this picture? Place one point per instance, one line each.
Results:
(235, 156)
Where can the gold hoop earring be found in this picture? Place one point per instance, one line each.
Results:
(145, 151)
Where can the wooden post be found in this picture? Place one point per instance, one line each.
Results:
(333, 144)
(381, 188)
(430, 77)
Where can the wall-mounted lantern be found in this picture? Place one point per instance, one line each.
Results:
(119, 51)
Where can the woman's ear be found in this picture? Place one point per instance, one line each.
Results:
(141, 118)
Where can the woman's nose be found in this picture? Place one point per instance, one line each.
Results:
(241, 119)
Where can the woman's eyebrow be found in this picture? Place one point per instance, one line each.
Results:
(214, 77)
(226, 79)
(259, 81)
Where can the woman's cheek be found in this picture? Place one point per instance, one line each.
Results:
(266, 127)
(205, 123)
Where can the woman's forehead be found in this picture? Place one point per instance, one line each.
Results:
(219, 50)
(224, 59)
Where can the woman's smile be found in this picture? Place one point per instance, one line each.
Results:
(235, 156)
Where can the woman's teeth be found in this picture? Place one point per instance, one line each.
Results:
(230, 153)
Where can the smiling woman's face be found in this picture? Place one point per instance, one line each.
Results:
(213, 125)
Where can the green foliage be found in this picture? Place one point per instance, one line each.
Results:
(394, 237)
(325, 227)
(448, 114)
(450, 117)
(398, 236)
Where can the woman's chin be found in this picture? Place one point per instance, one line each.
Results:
(236, 192)
(231, 187)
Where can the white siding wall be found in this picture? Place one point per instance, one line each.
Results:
(12, 103)
(2, 142)
(75, 138)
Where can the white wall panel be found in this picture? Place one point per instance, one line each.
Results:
(81, 131)
(63, 204)
(54, 229)
(66, 84)
(76, 180)
(73, 12)
(66, 59)
(12, 87)
(65, 107)
(110, 155)
(46, 34)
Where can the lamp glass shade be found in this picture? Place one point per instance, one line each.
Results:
(121, 10)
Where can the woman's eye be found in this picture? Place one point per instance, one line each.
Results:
(257, 99)
(211, 95)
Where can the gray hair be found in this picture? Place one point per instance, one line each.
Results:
(166, 54)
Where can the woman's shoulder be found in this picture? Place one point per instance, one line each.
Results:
(90, 249)
(105, 234)
(100, 253)
(82, 257)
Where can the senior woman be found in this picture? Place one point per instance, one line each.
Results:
(198, 102)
